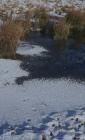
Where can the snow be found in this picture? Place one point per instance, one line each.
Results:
(25, 136)
(33, 102)
(9, 70)
(28, 49)
(57, 15)
(62, 126)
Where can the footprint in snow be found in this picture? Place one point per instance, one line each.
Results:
(27, 99)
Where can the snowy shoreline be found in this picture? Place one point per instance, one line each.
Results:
(26, 111)
(34, 98)
(9, 71)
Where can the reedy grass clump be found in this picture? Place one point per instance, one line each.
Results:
(10, 33)
(44, 137)
(76, 18)
(41, 16)
(44, 18)
(26, 28)
(72, 26)
(25, 23)
(61, 30)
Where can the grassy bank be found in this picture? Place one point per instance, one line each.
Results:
(11, 31)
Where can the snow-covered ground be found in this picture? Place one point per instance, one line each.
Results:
(27, 49)
(9, 71)
(67, 125)
(26, 110)
(36, 98)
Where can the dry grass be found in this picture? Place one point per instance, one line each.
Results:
(62, 30)
(41, 16)
(25, 23)
(76, 18)
(44, 18)
(26, 27)
(10, 33)
(44, 137)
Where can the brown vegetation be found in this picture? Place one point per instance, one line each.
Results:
(44, 137)
(41, 16)
(76, 18)
(61, 30)
(10, 33)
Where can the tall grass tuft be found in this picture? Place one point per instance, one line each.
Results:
(76, 18)
(61, 30)
(10, 33)
(44, 137)
(41, 16)
(26, 26)
(25, 23)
